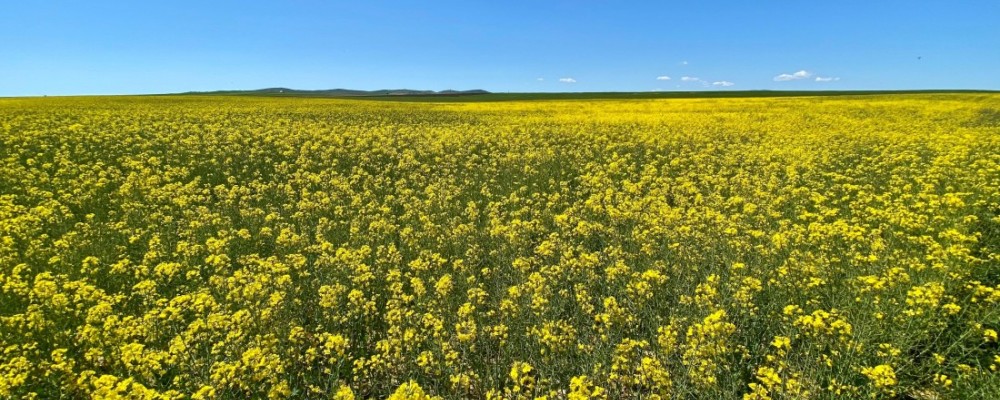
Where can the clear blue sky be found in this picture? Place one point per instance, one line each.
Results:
(103, 47)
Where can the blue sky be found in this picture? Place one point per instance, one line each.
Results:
(103, 47)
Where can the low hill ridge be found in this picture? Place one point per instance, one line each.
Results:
(280, 91)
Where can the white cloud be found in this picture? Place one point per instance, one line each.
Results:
(541, 79)
(663, 78)
(723, 83)
(567, 80)
(689, 79)
(803, 74)
(684, 63)
(827, 79)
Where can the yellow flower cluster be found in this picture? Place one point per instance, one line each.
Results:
(201, 247)
(411, 391)
(882, 377)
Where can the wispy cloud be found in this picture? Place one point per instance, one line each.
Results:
(567, 80)
(803, 74)
(689, 79)
(827, 79)
(541, 79)
(723, 83)
(684, 62)
(663, 78)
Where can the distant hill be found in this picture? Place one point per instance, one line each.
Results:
(339, 92)
(483, 95)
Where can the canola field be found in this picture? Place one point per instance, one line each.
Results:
(237, 247)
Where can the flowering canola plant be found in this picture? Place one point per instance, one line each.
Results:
(236, 247)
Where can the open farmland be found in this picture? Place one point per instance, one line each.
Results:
(242, 247)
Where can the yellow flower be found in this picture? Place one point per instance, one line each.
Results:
(411, 391)
(768, 376)
(523, 375)
(344, 392)
(334, 345)
(942, 380)
(782, 343)
(990, 335)
(204, 393)
(881, 376)
(582, 388)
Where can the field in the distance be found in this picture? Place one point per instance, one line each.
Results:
(240, 247)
